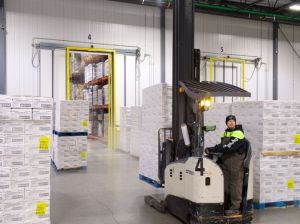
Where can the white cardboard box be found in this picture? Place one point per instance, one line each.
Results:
(5, 102)
(21, 114)
(5, 114)
(22, 102)
(42, 115)
(24, 158)
(38, 127)
(11, 127)
(44, 103)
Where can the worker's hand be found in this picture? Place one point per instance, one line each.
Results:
(209, 150)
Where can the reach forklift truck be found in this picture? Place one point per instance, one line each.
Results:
(194, 182)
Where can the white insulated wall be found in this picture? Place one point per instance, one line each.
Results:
(235, 36)
(289, 66)
(249, 38)
(107, 21)
(126, 24)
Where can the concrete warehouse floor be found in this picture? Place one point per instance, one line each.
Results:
(109, 192)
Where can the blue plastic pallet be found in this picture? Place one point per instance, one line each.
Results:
(63, 134)
(278, 204)
(148, 180)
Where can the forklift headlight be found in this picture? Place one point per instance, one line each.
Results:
(205, 103)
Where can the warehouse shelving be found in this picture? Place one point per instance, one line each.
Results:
(98, 109)
(95, 107)
(99, 82)
(79, 62)
(92, 70)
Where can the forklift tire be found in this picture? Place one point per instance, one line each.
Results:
(193, 220)
(160, 206)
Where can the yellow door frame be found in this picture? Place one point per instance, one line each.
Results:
(236, 60)
(112, 133)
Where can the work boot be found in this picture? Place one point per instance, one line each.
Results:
(232, 212)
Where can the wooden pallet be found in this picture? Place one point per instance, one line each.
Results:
(278, 204)
(148, 180)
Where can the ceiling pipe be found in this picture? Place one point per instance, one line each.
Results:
(248, 11)
(231, 9)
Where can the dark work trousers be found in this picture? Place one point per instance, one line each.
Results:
(233, 171)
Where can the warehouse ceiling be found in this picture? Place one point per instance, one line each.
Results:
(265, 10)
(274, 6)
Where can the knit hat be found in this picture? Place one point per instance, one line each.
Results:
(230, 117)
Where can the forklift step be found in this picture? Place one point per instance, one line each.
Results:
(235, 219)
(148, 180)
(278, 204)
(157, 202)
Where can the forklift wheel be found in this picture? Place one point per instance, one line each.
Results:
(193, 220)
(154, 203)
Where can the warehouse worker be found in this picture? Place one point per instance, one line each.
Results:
(232, 149)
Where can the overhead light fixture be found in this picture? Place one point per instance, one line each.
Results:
(295, 7)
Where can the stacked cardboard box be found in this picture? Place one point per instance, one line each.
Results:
(70, 135)
(95, 95)
(135, 130)
(99, 70)
(157, 113)
(71, 116)
(105, 95)
(88, 96)
(273, 126)
(106, 69)
(124, 137)
(89, 73)
(216, 116)
(69, 151)
(25, 141)
(100, 97)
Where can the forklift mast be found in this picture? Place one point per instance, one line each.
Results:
(188, 93)
(183, 65)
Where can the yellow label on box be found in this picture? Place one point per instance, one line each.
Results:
(291, 184)
(41, 208)
(44, 143)
(297, 138)
(85, 123)
(83, 154)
